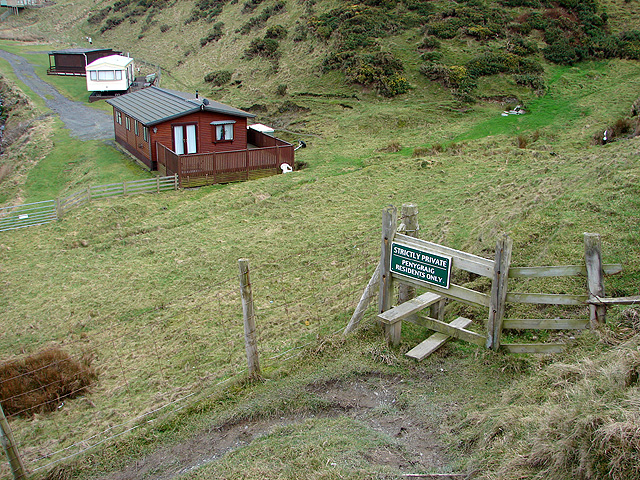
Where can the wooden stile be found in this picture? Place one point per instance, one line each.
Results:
(409, 225)
(435, 341)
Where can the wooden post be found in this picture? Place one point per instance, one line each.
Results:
(364, 302)
(389, 225)
(498, 297)
(409, 226)
(250, 343)
(176, 183)
(124, 188)
(59, 210)
(89, 194)
(595, 280)
(158, 184)
(9, 445)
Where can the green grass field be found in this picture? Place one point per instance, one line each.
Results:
(147, 286)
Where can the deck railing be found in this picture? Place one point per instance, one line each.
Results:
(222, 167)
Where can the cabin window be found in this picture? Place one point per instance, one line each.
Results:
(105, 75)
(145, 134)
(127, 122)
(119, 118)
(223, 131)
(184, 139)
(135, 127)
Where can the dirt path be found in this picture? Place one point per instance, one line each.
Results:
(83, 122)
(359, 398)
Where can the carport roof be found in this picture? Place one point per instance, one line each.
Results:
(154, 105)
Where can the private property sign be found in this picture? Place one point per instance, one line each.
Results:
(420, 265)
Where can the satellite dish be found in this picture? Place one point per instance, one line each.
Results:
(205, 101)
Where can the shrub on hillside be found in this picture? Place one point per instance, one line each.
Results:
(281, 89)
(111, 22)
(218, 78)
(535, 82)
(250, 6)
(39, 383)
(300, 32)
(205, 10)
(277, 32)
(99, 16)
(262, 47)
(260, 20)
(445, 29)
(562, 52)
(501, 62)
(214, 35)
(429, 43)
(431, 56)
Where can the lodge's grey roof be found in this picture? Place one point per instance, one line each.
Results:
(154, 105)
(79, 50)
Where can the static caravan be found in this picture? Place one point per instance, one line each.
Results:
(110, 74)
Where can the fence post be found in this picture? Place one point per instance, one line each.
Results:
(124, 189)
(176, 183)
(89, 194)
(158, 184)
(389, 225)
(9, 445)
(59, 210)
(409, 226)
(498, 297)
(595, 280)
(250, 343)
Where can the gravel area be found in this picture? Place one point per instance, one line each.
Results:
(83, 122)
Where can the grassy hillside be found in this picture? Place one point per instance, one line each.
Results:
(146, 286)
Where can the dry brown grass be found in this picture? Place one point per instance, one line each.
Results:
(40, 382)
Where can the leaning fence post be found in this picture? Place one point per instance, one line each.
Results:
(389, 225)
(595, 278)
(498, 297)
(250, 343)
(409, 226)
(9, 445)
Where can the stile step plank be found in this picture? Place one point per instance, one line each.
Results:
(408, 308)
(435, 341)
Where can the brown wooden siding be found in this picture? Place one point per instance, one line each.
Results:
(205, 132)
(135, 144)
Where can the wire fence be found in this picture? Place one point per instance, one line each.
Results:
(184, 351)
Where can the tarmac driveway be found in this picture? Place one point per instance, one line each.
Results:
(83, 122)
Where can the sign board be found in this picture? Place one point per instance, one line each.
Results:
(420, 265)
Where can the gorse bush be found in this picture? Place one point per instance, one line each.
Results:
(206, 10)
(260, 20)
(262, 47)
(214, 35)
(218, 78)
(277, 32)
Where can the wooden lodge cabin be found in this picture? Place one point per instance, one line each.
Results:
(202, 141)
(74, 61)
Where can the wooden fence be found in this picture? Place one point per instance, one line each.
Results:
(40, 213)
(499, 270)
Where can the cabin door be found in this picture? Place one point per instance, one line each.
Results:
(184, 139)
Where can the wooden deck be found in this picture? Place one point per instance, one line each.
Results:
(263, 158)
